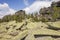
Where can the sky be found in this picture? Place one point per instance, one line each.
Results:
(17, 4)
(11, 6)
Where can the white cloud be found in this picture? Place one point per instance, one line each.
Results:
(26, 2)
(5, 10)
(36, 6)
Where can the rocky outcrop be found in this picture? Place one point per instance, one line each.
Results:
(50, 12)
(57, 4)
(20, 12)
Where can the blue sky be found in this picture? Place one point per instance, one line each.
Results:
(16, 4)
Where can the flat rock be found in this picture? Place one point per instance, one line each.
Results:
(44, 38)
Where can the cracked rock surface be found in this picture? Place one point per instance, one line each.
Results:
(30, 31)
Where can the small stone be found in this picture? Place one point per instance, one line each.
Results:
(14, 33)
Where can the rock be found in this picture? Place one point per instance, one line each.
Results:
(30, 37)
(7, 27)
(7, 37)
(44, 38)
(57, 39)
(2, 31)
(14, 26)
(54, 25)
(24, 28)
(14, 33)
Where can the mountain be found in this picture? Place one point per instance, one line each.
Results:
(36, 6)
